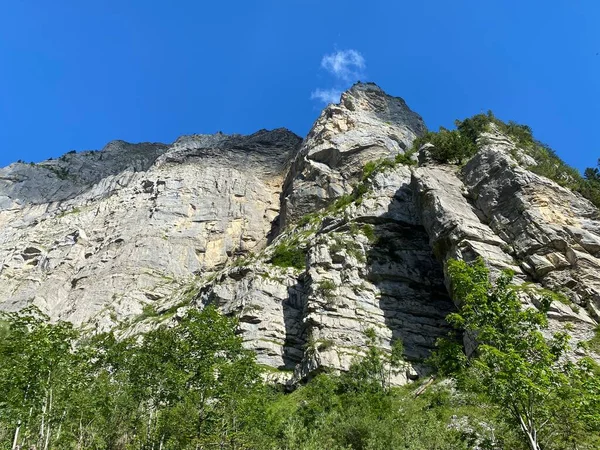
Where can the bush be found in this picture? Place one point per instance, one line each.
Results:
(289, 255)
(548, 165)
(60, 172)
(405, 158)
(448, 146)
(327, 289)
(594, 342)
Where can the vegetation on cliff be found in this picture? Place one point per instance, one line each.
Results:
(456, 146)
(538, 389)
(194, 386)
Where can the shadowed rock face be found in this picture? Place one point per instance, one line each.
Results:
(95, 237)
(73, 173)
(388, 281)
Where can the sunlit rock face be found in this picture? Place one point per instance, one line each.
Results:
(95, 236)
(366, 125)
(135, 234)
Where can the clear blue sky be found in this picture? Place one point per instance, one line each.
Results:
(76, 74)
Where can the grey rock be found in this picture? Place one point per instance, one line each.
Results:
(366, 125)
(95, 237)
(97, 253)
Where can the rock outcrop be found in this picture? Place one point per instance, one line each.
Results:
(137, 233)
(366, 125)
(368, 266)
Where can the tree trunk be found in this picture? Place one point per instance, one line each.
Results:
(43, 424)
(531, 434)
(62, 418)
(48, 429)
(80, 439)
(14, 446)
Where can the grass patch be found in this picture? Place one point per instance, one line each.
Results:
(559, 297)
(594, 343)
(350, 246)
(148, 311)
(369, 231)
(327, 289)
(374, 167)
(75, 210)
(289, 254)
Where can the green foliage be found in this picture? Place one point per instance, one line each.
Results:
(38, 373)
(449, 146)
(195, 386)
(550, 295)
(60, 172)
(177, 388)
(514, 365)
(347, 199)
(405, 158)
(369, 231)
(344, 242)
(590, 186)
(289, 254)
(373, 167)
(359, 410)
(472, 127)
(311, 218)
(148, 311)
(369, 169)
(373, 371)
(594, 342)
(75, 210)
(592, 173)
(327, 289)
(548, 164)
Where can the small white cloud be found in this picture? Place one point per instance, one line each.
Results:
(326, 95)
(347, 65)
(344, 66)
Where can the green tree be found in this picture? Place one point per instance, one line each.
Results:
(512, 362)
(373, 371)
(38, 371)
(196, 382)
(593, 173)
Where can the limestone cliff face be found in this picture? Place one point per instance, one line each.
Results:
(366, 125)
(96, 236)
(134, 234)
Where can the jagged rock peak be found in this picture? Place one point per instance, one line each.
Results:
(118, 145)
(264, 153)
(366, 125)
(276, 138)
(72, 174)
(370, 97)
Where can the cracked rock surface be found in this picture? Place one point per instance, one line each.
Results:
(134, 234)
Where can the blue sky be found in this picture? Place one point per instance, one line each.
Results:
(77, 74)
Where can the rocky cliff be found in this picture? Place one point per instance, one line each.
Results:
(95, 236)
(310, 243)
